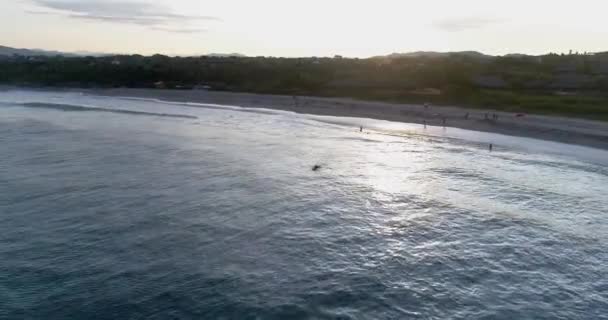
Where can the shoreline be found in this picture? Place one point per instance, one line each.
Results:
(576, 131)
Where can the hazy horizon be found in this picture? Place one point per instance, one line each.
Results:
(277, 28)
(213, 53)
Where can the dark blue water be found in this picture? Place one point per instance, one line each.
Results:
(147, 214)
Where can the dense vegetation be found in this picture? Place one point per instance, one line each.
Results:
(563, 84)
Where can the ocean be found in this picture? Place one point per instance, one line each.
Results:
(125, 208)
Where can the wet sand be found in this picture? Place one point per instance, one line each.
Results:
(567, 130)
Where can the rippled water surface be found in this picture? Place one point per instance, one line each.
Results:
(141, 209)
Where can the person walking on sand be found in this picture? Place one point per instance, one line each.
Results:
(360, 128)
(491, 147)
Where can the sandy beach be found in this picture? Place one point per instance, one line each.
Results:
(553, 128)
(568, 130)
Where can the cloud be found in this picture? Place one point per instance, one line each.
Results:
(465, 23)
(179, 30)
(144, 21)
(38, 12)
(119, 11)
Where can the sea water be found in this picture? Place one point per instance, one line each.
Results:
(120, 208)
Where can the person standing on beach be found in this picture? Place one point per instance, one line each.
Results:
(491, 147)
(444, 121)
(360, 128)
(424, 124)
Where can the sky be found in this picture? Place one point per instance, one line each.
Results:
(352, 28)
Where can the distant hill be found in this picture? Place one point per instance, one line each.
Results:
(91, 54)
(434, 54)
(517, 55)
(8, 51)
(225, 55)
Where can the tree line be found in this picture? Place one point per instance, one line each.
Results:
(449, 78)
